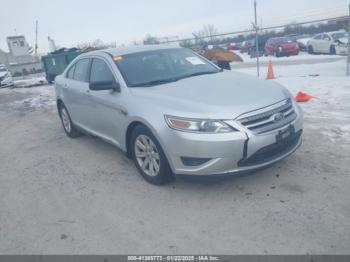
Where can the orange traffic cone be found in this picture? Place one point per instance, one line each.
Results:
(302, 97)
(270, 74)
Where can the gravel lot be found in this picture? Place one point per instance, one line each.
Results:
(73, 196)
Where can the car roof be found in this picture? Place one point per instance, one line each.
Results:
(133, 49)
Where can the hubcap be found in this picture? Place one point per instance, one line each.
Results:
(147, 155)
(65, 120)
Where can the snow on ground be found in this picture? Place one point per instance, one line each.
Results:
(30, 99)
(301, 56)
(36, 81)
(329, 111)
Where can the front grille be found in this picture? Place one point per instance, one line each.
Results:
(267, 121)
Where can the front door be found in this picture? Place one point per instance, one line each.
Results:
(105, 106)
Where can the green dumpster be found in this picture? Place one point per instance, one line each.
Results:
(55, 63)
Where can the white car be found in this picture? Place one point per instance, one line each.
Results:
(334, 43)
(5, 77)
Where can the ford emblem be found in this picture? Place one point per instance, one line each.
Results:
(278, 117)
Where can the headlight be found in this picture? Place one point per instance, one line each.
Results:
(198, 125)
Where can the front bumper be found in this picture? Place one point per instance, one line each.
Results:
(288, 52)
(230, 153)
(341, 50)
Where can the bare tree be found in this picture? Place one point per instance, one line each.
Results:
(150, 40)
(208, 31)
(96, 44)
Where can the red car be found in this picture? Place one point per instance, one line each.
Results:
(245, 46)
(233, 46)
(281, 46)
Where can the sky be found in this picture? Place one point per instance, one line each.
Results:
(70, 22)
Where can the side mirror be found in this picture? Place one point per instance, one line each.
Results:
(105, 85)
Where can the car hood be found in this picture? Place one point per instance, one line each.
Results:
(224, 95)
(344, 40)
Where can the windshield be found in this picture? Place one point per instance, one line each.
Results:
(337, 36)
(161, 66)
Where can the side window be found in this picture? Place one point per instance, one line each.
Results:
(100, 72)
(326, 37)
(81, 70)
(318, 37)
(71, 72)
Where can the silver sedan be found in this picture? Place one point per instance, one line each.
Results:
(175, 113)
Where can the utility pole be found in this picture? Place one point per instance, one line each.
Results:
(348, 58)
(36, 39)
(256, 27)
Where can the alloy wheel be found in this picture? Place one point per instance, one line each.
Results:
(147, 155)
(65, 120)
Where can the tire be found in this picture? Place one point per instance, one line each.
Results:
(67, 123)
(310, 50)
(332, 50)
(146, 149)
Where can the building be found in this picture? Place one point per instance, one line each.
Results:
(19, 60)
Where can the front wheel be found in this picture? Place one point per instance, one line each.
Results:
(310, 50)
(332, 50)
(149, 157)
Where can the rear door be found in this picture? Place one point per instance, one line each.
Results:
(76, 91)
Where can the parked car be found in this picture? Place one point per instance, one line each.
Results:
(261, 47)
(5, 77)
(233, 46)
(176, 113)
(245, 46)
(281, 46)
(301, 40)
(329, 43)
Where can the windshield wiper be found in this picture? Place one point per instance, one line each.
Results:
(169, 80)
(156, 82)
(198, 74)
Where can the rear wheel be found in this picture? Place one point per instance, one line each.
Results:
(149, 157)
(67, 123)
